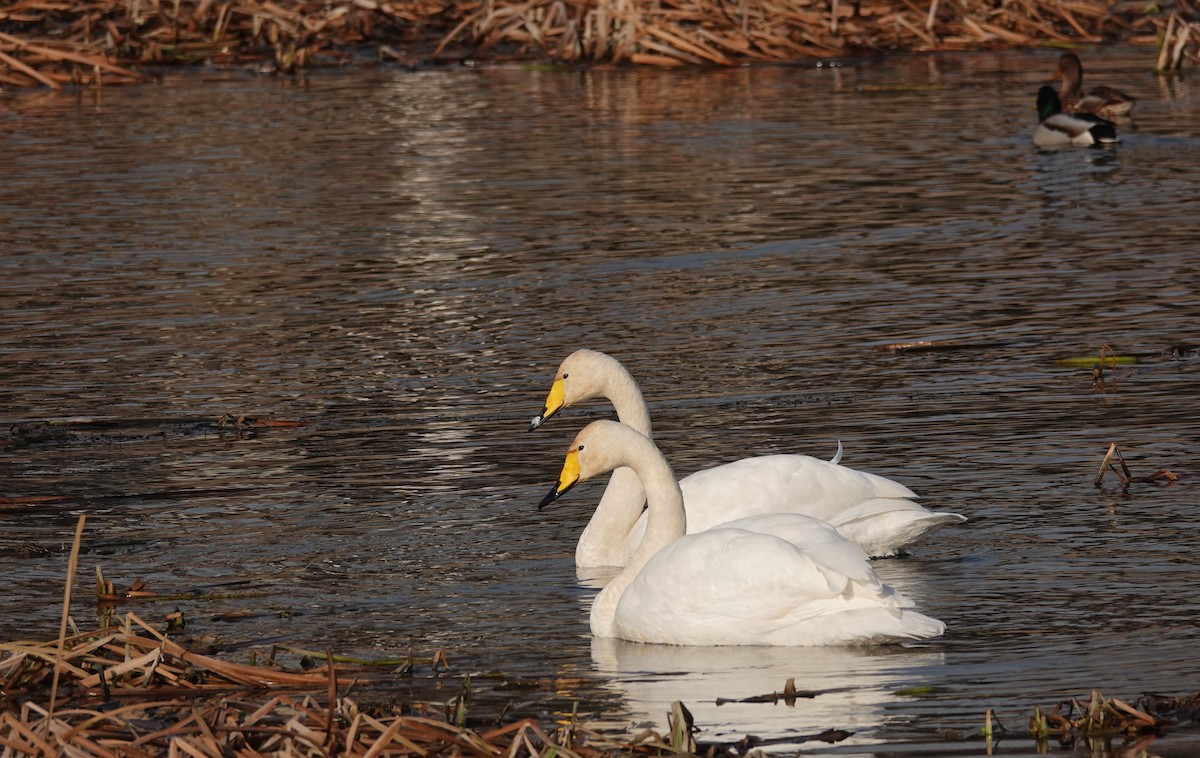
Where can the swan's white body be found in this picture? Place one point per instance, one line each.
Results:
(874, 512)
(776, 579)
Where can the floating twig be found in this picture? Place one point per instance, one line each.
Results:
(1124, 474)
(789, 696)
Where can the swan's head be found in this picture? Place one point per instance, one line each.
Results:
(580, 377)
(594, 451)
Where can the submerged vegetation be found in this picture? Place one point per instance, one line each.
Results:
(57, 43)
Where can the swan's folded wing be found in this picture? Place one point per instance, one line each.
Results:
(831, 553)
(733, 586)
(779, 484)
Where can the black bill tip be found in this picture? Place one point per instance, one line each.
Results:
(555, 493)
(549, 498)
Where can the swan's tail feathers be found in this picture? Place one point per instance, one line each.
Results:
(897, 624)
(860, 626)
(914, 625)
(886, 526)
(837, 457)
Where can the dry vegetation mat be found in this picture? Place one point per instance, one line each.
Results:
(57, 43)
(129, 690)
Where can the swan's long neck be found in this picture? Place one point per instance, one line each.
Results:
(623, 392)
(602, 542)
(665, 523)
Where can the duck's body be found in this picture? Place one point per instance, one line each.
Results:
(1106, 102)
(875, 512)
(778, 579)
(1058, 129)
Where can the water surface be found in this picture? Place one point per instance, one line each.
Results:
(403, 259)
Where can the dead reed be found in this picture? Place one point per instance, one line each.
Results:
(1074, 723)
(128, 690)
(1124, 475)
(57, 43)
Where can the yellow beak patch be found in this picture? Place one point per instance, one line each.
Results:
(570, 472)
(567, 479)
(556, 398)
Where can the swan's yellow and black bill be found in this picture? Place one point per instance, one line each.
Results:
(554, 404)
(567, 479)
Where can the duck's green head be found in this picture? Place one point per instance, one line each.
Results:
(1048, 103)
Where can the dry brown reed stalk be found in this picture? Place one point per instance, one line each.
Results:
(1072, 721)
(1124, 475)
(1179, 36)
(129, 690)
(52, 43)
(72, 565)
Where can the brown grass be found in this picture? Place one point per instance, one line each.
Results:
(129, 690)
(57, 43)
(132, 691)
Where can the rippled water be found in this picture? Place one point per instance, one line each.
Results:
(404, 258)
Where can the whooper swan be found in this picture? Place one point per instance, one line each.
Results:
(777, 579)
(874, 512)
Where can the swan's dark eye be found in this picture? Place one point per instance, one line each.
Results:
(565, 376)
(579, 449)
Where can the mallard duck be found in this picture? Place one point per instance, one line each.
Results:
(1104, 102)
(876, 513)
(776, 579)
(1057, 129)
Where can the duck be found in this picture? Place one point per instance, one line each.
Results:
(872, 511)
(772, 579)
(1105, 102)
(1058, 129)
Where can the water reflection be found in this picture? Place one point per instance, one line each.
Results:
(402, 258)
(850, 689)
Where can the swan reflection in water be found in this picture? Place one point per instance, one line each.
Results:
(855, 689)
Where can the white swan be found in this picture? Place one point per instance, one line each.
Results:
(776, 579)
(874, 512)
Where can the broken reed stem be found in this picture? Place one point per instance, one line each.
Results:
(72, 564)
(1112, 449)
(13, 63)
(1125, 475)
(1164, 51)
(1124, 466)
(332, 712)
(1185, 36)
(1112, 354)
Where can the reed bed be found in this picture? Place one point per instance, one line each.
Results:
(59, 43)
(129, 690)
